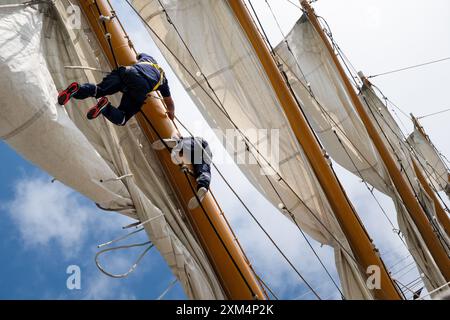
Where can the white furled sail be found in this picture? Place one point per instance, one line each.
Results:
(113, 166)
(435, 168)
(219, 69)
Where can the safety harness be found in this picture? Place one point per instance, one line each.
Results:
(161, 73)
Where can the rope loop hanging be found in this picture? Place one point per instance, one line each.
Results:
(123, 247)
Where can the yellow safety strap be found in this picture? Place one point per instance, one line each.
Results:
(161, 73)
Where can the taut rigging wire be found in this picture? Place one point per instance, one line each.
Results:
(410, 67)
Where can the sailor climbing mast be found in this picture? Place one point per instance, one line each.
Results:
(413, 206)
(360, 242)
(230, 264)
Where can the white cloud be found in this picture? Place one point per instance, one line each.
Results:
(46, 212)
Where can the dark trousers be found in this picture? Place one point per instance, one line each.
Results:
(201, 161)
(202, 173)
(127, 80)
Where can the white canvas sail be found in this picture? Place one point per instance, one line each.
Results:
(431, 162)
(223, 76)
(38, 44)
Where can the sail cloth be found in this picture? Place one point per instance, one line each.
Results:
(224, 78)
(37, 45)
(436, 171)
(319, 87)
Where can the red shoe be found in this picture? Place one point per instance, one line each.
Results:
(95, 111)
(65, 95)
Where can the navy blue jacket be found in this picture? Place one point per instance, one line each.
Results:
(152, 74)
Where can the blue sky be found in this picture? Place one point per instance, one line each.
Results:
(36, 253)
(35, 268)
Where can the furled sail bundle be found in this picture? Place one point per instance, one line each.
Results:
(432, 163)
(210, 54)
(317, 84)
(114, 166)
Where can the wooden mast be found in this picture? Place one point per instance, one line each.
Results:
(222, 248)
(403, 188)
(356, 235)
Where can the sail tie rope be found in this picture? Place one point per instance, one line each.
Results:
(123, 247)
(132, 268)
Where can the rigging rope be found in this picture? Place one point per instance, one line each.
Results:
(410, 67)
(169, 287)
(433, 114)
(268, 288)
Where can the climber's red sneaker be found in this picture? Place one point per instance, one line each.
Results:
(65, 95)
(95, 111)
